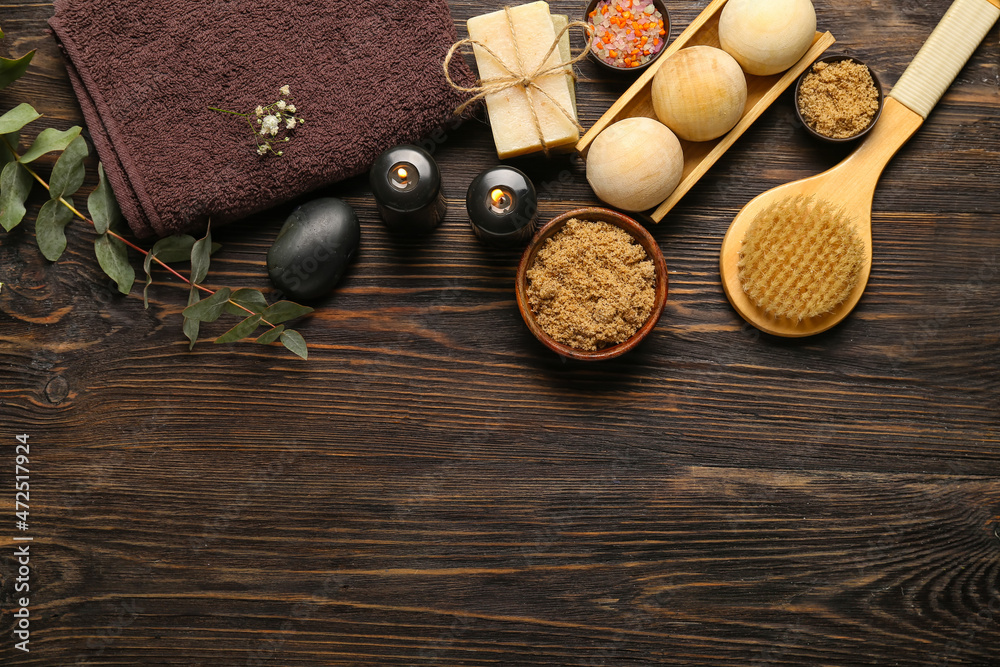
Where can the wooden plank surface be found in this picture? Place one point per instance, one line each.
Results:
(434, 488)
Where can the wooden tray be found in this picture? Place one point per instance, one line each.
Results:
(699, 156)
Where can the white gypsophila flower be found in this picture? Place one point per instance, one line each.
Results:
(259, 111)
(281, 104)
(290, 125)
(262, 149)
(291, 108)
(269, 125)
(284, 90)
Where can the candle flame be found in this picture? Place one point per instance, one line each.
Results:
(497, 196)
(402, 173)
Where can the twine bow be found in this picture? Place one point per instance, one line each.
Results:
(517, 76)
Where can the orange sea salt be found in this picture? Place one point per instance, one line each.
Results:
(627, 33)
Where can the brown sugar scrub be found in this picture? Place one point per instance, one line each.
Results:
(838, 99)
(591, 285)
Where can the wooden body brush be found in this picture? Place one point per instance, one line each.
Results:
(796, 259)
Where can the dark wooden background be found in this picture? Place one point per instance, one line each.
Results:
(433, 487)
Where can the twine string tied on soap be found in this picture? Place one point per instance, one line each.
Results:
(516, 76)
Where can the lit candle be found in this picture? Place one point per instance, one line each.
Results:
(406, 183)
(403, 176)
(502, 206)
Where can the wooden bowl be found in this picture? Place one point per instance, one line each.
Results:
(625, 70)
(836, 58)
(642, 237)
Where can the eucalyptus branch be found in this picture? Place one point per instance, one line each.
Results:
(124, 240)
(111, 246)
(77, 213)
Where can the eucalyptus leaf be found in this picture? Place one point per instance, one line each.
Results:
(8, 146)
(102, 205)
(11, 70)
(209, 309)
(283, 311)
(147, 266)
(294, 341)
(15, 184)
(176, 248)
(50, 140)
(18, 117)
(241, 330)
(248, 298)
(69, 171)
(49, 228)
(112, 255)
(201, 257)
(270, 335)
(191, 326)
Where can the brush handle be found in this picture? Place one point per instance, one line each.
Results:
(945, 53)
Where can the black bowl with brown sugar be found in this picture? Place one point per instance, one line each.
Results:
(839, 99)
(591, 284)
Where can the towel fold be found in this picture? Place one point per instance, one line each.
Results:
(365, 75)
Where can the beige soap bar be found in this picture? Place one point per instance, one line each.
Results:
(514, 130)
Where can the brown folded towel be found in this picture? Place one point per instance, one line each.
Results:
(365, 75)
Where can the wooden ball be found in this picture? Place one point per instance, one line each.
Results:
(699, 93)
(635, 164)
(767, 36)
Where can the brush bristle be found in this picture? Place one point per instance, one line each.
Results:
(800, 258)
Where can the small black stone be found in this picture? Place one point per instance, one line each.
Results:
(314, 248)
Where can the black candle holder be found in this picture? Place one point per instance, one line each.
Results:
(406, 183)
(503, 207)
